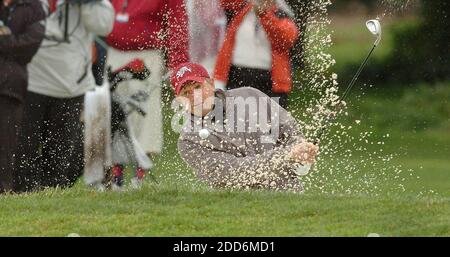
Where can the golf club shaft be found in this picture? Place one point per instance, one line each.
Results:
(344, 96)
(355, 78)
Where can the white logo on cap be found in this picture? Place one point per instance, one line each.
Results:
(181, 71)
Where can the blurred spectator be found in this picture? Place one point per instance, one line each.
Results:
(51, 141)
(256, 50)
(148, 30)
(207, 24)
(21, 33)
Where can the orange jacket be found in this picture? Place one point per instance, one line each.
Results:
(281, 32)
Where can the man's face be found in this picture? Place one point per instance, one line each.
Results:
(197, 97)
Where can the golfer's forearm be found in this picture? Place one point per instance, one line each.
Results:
(225, 170)
(262, 171)
(290, 133)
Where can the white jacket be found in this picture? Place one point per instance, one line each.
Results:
(62, 69)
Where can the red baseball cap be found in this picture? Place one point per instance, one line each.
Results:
(187, 72)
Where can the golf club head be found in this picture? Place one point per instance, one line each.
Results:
(374, 27)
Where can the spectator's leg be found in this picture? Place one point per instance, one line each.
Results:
(11, 111)
(29, 170)
(248, 77)
(237, 78)
(64, 143)
(151, 138)
(257, 78)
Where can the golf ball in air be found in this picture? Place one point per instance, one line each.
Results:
(203, 133)
(303, 170)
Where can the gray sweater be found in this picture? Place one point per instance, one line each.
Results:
(234, 159)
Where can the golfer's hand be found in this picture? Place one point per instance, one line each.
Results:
(262, 6)
(4, 31)
(304, 153)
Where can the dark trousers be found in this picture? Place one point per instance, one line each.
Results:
(11, 111)
(256, 78)
(50, 151)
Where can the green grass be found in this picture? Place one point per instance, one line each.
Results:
(156, 211)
